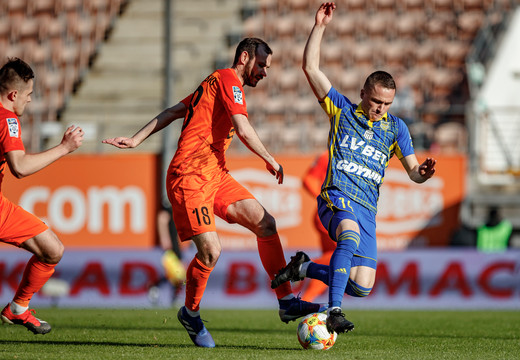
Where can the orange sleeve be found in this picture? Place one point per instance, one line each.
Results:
(232, 93)
(10, 134)
(186, 101)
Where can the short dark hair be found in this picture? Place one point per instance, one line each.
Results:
(379, 77)
(13, 73)
(251, 46)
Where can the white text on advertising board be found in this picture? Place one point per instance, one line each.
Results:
(87, 209)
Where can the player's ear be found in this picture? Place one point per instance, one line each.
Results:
(244, 57)
(11, 95)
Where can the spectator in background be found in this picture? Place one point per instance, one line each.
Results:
(19, 227)
(464, 236)
(171, 260)
(312, 181)
(495, 234)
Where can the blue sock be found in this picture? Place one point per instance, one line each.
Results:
(339, 269)
(356, 290)
(318, 272)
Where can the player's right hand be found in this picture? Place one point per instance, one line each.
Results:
(121, 142)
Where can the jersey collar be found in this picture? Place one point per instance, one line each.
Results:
(370, 123)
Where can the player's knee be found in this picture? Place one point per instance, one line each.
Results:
(356, 290)
(267, 225)
(53, 256)
(209, 256)
(53, 252)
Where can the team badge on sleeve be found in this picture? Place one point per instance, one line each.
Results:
(237, 94)
(12, 125)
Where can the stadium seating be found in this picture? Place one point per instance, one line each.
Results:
(427, 39)
(58, 38)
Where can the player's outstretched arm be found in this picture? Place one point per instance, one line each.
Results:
(318, 81)
(22, 164)
(247, 134)
(419, 173)
(162, 120)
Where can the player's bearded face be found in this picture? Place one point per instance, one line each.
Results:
(256, 68)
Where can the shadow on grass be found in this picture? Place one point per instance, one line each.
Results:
(438, 336)
(122, 344)
(168, 327)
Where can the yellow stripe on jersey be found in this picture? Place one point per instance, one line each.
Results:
(334, 113)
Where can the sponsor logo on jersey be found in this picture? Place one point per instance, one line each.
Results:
(359, 170)
(353, 144)
(12, 125)
(369, 134)
(237, 94)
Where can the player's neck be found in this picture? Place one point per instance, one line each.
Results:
(239, 70)
(6, 104)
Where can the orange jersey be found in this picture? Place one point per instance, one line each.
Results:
(207, 130)
(17, 225)
(316, 173)
(10, 138)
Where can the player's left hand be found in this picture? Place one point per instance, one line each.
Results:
(324, 13)
(277, 173)
(427, 168)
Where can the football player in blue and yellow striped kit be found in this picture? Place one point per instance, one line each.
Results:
(362, 139)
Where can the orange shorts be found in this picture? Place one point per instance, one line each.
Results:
(16, 224)
(196, 201)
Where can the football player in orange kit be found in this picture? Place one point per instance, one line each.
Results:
(18, 227)
(200, 187)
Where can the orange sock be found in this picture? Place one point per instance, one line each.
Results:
(34, 277)
(272, 257)
(316, 287)
(197, 276)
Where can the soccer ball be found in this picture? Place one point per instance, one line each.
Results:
(313, 333)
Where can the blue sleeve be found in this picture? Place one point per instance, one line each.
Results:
(338, 99)
(404, 140)
(334, 102)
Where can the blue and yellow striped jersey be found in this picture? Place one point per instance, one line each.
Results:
(359, 149)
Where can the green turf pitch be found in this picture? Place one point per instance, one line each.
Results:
(259, 334)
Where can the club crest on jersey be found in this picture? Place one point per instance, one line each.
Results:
(12, 125)
(385, 125)
(369, 134)
(237, 94)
